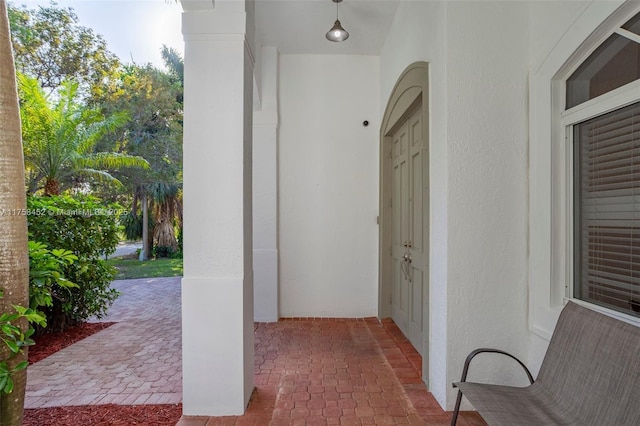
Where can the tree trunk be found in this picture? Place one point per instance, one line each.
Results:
(14, 259)
(163, 233)
(144, 253)
(134, 204)
(51, 187)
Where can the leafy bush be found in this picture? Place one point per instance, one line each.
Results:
(46, 275)
(82, 224)
(163, 251)
(15, 339)
(132, 225)
(45, 270)
(89, 230)
(180, 239)
(46, 279)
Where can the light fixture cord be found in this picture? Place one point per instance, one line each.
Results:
(337, 17)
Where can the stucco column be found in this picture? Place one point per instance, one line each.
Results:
(265, 192)
(217, 288)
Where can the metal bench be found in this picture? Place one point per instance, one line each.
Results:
(590, 375)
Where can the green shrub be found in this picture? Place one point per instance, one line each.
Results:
(132, 225)
(180, 243)
(88, 229)
(163, 251)
(12, 336)
(46, 274)
(82, 225)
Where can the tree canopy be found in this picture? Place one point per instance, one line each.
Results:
(154, 99)
(50, 45)
(89, 120)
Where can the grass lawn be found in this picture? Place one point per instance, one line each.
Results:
(132, 268)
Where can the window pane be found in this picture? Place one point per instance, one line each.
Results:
(607, 210)
(613, 64)
(633, 24)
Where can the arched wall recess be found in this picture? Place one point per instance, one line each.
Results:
(409, 101)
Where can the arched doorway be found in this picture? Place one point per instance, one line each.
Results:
(404, 209)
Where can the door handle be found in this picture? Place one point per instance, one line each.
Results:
(404, 266)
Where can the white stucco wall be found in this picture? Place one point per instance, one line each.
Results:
(558, 29)
(478, 55)
(265, 189)
(487, 70)
(328, 185)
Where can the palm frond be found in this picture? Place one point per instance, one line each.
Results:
(99, 176)
(110, 161)
(161, 191)
(60, 133)
(99, 128)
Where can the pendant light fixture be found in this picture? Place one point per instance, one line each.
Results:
(337, 33)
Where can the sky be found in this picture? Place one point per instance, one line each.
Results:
(135, 30)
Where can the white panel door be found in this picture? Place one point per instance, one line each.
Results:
(408, 229)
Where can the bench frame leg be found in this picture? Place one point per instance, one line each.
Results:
(456, 410)
(465, 371)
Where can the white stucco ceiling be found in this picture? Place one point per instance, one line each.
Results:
(299, 26)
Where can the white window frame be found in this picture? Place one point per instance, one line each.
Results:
(549, 180)
(611, 101)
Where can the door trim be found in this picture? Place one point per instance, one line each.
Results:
(411, 90)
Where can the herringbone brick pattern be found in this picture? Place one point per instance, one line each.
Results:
(137, 361)
(307, 371)
(336, 372)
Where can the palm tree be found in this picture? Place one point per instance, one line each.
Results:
(14, 260)
(155, 133)
(60, 135)
(166, 197)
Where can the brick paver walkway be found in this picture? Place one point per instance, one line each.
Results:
(336, 372)
(307, 372)
(137, 361)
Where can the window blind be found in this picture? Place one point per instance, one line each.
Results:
(607, 210)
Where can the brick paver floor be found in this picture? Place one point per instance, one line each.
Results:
(307, 371)
(336, 372)
(136, 361)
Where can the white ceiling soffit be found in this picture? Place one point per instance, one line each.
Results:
(299, 26)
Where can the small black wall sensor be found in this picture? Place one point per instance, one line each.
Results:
(365, 123)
